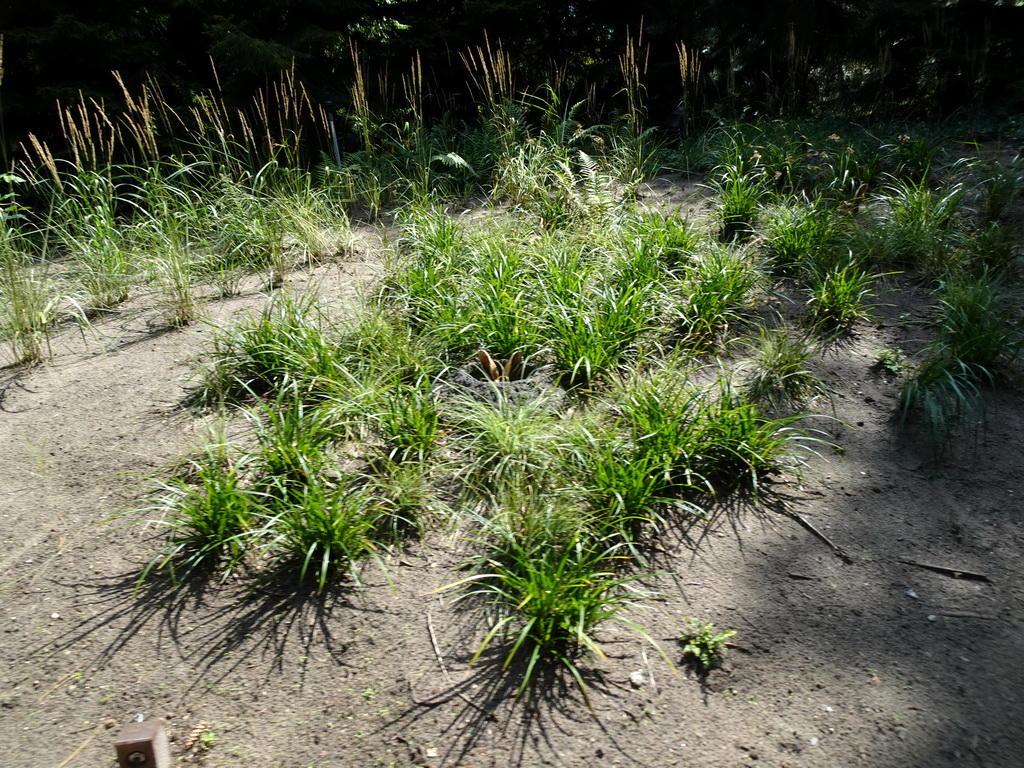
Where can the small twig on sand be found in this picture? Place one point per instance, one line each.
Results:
(836, 549)
(444, 698)
(650, 672)
(59, 683)
(437, 650)
(956, 573)
(83, 745)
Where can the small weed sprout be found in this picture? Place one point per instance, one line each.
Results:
(207, 739)
(200, 739)
(892, 361)
(701, 645)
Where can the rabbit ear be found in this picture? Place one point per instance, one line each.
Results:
(512, 366)
(490, 367)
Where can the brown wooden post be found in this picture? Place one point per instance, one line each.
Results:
(143, 745)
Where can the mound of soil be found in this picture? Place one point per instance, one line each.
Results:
(457, 386)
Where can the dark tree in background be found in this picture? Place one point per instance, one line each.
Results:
(66, 49)
(914, 58)
(55, 50)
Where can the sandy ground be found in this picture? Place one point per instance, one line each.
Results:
(854, 657)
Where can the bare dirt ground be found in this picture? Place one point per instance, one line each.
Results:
(844, 658)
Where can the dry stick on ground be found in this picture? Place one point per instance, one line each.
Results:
(650, 672)
(83, 745)
(956, 573)
(442, 698)
(69, 676)
(437, 651)
(836, 549)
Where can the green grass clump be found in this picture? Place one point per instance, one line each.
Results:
(801, 237)
(716, 293)
(375, 345)
(738, 192)
(279, 494)
(408, 421)
(735, 444)
(625, 490)
(544, 599)
(1001, 187)
(778, 372)
(425, 282)
(29, 306)
(291, 442)
(703, 439)
(327, 529)
(974, 326)
(989, 249)
(85, 224)
(286, 345)
(916, 226)
(210, 514)
(407, 500)
(976, 340)
(508, 450)
(839, 296)
(944, 393)
(912, 154)
(656, 413)
(665, 241)
(592, 331)
(501, 315)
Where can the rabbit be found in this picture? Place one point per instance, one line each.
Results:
(496, 372)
